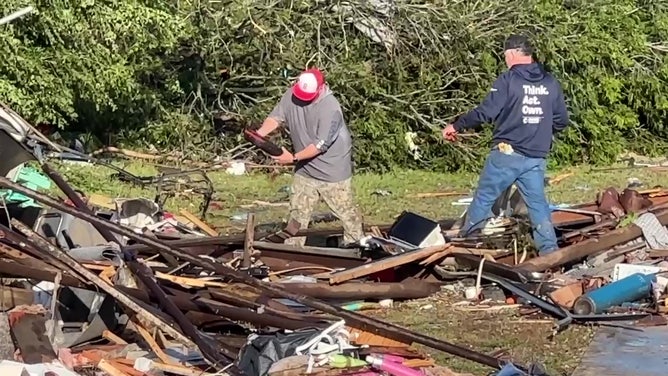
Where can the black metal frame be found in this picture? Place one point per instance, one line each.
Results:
(166, 182)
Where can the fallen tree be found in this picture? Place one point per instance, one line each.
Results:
(401, 69)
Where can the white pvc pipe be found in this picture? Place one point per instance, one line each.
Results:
(15, 15)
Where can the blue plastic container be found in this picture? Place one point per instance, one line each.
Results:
(630, 289)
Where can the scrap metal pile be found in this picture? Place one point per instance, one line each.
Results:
(122, 287)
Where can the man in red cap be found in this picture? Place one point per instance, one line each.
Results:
(323, 153)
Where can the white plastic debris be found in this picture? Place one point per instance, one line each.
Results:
(386, 303)
(236, 168)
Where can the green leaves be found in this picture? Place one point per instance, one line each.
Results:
(190, 74)
(88, 57)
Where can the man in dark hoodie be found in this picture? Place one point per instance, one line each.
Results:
(526, 105)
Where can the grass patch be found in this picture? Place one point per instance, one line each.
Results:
(487, 332)
(481, 331)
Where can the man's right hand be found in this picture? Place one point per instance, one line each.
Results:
(449, 133)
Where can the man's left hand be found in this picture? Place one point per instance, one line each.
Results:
(285, 158)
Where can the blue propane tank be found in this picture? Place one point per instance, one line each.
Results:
(634, 287)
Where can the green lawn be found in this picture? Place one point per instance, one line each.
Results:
(233, 192)
(482, 331)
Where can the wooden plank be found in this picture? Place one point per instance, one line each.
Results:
(248, 241)
(192, 282)
(623, 352)
(481, 251)
(110, 369)
(557, 179)
(111, 337)
(361, 337)
(386, 263)
(127, 369)
(419, 363)
(437, 194)
(658, 253)
(435, 257)
(587, 247)
(151, 342)
(198, 222)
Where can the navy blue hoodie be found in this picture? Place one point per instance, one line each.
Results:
(526, 105)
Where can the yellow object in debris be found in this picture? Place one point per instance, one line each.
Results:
(505, 148)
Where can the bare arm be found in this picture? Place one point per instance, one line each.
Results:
(309, 152)
(269, 125)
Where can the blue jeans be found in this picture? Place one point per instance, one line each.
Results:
(500, 172)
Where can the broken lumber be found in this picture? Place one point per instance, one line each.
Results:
(110, 368)
(193, 336)
(352, 318)
(40, 242)
(151, 342)
(207, 350)
(587, 247)
(199, 223)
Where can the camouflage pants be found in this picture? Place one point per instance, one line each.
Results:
(306, 194)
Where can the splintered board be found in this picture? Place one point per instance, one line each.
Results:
(623, 352)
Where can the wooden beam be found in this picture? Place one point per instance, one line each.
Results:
(199, 223)
(111, 337)
(587, 247)
(248, 242)
(387, 263)
(152, 343)
(110, 369)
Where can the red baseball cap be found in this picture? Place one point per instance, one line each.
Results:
(308, 85)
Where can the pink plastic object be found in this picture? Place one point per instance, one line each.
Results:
(395, 369)
(389, 358)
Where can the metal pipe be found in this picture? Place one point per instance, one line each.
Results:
(548, 307)
(353, 319)
(74, 197)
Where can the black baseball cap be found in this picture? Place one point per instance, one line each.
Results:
(518, 42)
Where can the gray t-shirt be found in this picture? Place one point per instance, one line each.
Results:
(320, 123)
